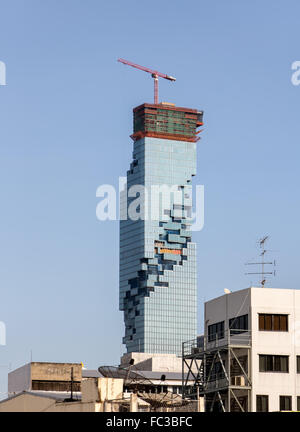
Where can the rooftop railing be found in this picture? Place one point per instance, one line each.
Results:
(232, 337)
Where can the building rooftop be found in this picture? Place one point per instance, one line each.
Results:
(58, 396)
(91, 373)
(262, 289)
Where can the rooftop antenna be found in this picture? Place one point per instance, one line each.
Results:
(263, 263)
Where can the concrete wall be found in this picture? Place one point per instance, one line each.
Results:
(74, 407)
(55, 371)
(89, 390)
(110, 388)
(19, 380)
(26, 403)
(154, 362)
(30, 403)
(226, 307)
(274, 384)
(101, 389)
(161, 364)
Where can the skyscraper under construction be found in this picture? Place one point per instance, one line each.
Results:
(158, 280)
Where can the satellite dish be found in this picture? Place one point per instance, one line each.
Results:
(227, 291)
(136, 382)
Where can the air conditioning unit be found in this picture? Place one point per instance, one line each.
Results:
(238, 381)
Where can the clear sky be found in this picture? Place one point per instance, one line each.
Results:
(65, 121)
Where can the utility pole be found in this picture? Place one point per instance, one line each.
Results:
(72, 378)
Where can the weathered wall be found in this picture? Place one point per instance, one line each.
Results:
(19, 380)
(89, 390)
(110, 388)
(55, 371)
(26, 403)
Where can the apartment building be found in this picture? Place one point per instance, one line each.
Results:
(249, 356)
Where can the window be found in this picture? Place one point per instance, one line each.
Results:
(55, 385)
(177, 389)
(262, 403)
(238, 324)
(216, 331)
(298, 403)
(298, 363)
(273, 363)
(272, 322)
(285, 403)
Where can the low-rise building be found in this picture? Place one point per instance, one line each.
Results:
(249, 356)
(39, 386)
(60, 378)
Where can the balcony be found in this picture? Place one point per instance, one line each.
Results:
(229, 338)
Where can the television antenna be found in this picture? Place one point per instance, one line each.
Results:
(263, 273)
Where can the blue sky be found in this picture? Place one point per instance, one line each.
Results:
(65, 121)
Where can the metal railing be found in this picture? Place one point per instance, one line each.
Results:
(232, 337)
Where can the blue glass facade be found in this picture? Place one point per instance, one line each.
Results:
(158, 277)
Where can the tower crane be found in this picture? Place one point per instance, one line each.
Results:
(155, 75)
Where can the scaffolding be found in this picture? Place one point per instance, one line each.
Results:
(219, 366)
(167, 122)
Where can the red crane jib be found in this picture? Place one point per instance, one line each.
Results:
(145, 69)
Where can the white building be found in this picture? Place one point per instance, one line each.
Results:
(249, 359)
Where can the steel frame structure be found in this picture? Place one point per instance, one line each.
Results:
(220, 370)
